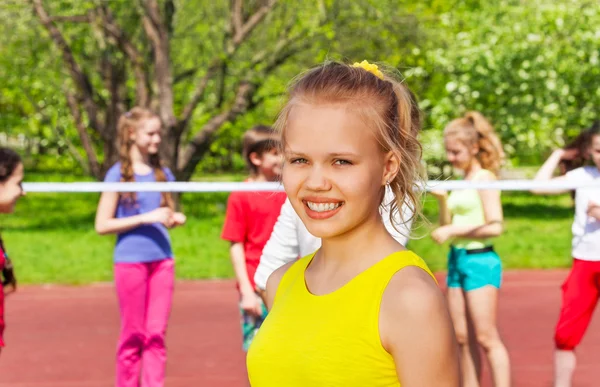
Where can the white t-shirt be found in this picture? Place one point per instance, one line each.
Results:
(586, 229)
(290, 239)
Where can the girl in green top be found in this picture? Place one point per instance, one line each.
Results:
(469, 218)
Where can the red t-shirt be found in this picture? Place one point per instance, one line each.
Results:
(250, 219)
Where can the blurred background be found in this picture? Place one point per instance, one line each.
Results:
(69, 68)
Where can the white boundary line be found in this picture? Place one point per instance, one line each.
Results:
(503, 185)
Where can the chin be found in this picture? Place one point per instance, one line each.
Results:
(324, 229)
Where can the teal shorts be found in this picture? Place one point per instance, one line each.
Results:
(474, 269)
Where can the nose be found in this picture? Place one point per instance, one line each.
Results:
(317, 180)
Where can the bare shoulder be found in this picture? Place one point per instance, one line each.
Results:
(412, 292)
(273, 283)
(486, 175)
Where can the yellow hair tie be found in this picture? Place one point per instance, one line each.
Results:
(370, 67)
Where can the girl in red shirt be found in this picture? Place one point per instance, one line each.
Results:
(11, 177)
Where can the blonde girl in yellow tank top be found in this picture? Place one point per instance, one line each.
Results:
(469, 219)
(363, 310)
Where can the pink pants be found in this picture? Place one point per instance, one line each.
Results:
(145, 292)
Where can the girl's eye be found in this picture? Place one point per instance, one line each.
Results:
(298, 161)
(342, 162)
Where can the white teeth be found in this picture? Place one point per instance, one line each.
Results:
(322, 207)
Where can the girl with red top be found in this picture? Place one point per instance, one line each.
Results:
(11, 177)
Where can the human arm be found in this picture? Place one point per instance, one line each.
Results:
(249, 299)
(107, 223)
(9, 283)
(416, 329)
(281, 248)
(445, 216)
(177, 218)
(235, 230)
(546, 171)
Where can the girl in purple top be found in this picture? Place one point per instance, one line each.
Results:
(144, 269)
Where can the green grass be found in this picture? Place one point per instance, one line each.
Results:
(51, 236)
(537, 233)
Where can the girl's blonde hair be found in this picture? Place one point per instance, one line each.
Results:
(128, 123)
(386, 104)
(474, 129)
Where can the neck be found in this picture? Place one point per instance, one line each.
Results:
(137, 156)
(473, 168)
(359, 247)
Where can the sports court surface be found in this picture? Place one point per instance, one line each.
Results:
(61, 336)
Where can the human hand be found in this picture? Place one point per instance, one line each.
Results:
(162, 215)
(442, 234)
(178, 219)
(251, 304)
(593, 210)
(567, 154)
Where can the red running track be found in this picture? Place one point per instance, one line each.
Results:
(66, 336)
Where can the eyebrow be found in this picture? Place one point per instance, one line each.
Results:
(292, 153)
(331, 155)
(343, 154)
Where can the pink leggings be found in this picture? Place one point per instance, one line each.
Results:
(145, 292)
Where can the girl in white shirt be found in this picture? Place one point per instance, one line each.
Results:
(581, 289)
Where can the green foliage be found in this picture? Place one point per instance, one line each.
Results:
(531, 67)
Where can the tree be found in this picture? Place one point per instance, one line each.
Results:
(531, 67)
(127, 60)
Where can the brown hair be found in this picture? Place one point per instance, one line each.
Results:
(259, 139)
(582, 143)
(389, 107)
(9, 160)
(473, 128)
(130, 121)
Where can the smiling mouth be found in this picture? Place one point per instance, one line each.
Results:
(323, 207)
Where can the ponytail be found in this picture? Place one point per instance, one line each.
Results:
(490, 155)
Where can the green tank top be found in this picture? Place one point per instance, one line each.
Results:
(467, 210)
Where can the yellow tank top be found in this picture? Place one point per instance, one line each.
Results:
(327, 340)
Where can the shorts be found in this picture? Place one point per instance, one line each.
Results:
(580, 293)
(250, 325)
(474, 269)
